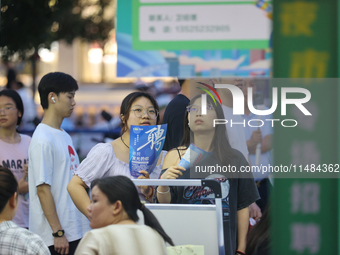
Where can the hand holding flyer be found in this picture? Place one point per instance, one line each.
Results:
(192, 156)
(146, 143)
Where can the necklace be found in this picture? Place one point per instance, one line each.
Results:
(124, 142)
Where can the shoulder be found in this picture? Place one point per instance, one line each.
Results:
(174, 153)
(25, 138)
(179, 101)
(173, 156)
(180, 98)
(24, 234)
(42, 132)
(102, 150)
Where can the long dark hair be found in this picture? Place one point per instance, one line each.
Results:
(8, 186)
(128, 101)
(220, 144)
(259, 235)
(122, 188)
(17, 100)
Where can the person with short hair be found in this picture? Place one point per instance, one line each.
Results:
(53, 159)
(14, 149)
(113, 217)
(15, 240)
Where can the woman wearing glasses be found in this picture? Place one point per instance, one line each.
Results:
(14, 148)
(110, 159)
(238, 190)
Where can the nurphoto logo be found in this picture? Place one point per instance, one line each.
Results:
(238, 104)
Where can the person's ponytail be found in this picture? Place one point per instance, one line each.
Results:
(122, 188)
(151, 221)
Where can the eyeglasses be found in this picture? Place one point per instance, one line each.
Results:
(7, 109)
(151, 112)
(196, 108)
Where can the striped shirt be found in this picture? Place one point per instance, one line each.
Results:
(15, 240)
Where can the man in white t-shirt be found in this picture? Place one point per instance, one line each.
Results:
(52, 157)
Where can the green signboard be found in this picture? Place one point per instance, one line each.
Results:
(200, 25)
(305, 208)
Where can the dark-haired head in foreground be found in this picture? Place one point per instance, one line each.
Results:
(122, 204)
(8, 192)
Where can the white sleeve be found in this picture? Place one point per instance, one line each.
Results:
(243, 142)
(97, 164)
(267, 128)
(41, 162)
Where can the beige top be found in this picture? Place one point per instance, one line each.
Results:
(122, 240)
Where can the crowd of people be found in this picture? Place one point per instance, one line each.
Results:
(45, 203)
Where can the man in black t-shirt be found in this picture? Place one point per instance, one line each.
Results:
(174, 116)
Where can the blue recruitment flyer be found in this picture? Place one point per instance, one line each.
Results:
(192, 156)
(146, 143)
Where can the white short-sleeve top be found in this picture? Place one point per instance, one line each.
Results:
(101, 162)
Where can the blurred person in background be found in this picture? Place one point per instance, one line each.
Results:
(113, 217)
(174, 116)
(14, 149)
(15, 240)
(110, 159)
(30, 108)
(255, 136)
(11, 77)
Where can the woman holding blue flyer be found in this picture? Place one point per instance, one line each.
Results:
(140, 111)
(203, 141)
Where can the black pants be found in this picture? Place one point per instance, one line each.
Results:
(71, 249)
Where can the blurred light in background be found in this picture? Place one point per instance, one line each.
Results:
(46, 55)
(95, 55)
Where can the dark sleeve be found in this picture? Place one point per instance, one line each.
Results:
(247, 192)
(174, 116)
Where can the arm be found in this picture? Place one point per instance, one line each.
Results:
(266, 144)
(76, 189)
(48, 206)
(254, 211)
(256, 137)
(172, 172)
(163, 192)
(23, 184)
(98, 162)
(242, 228)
